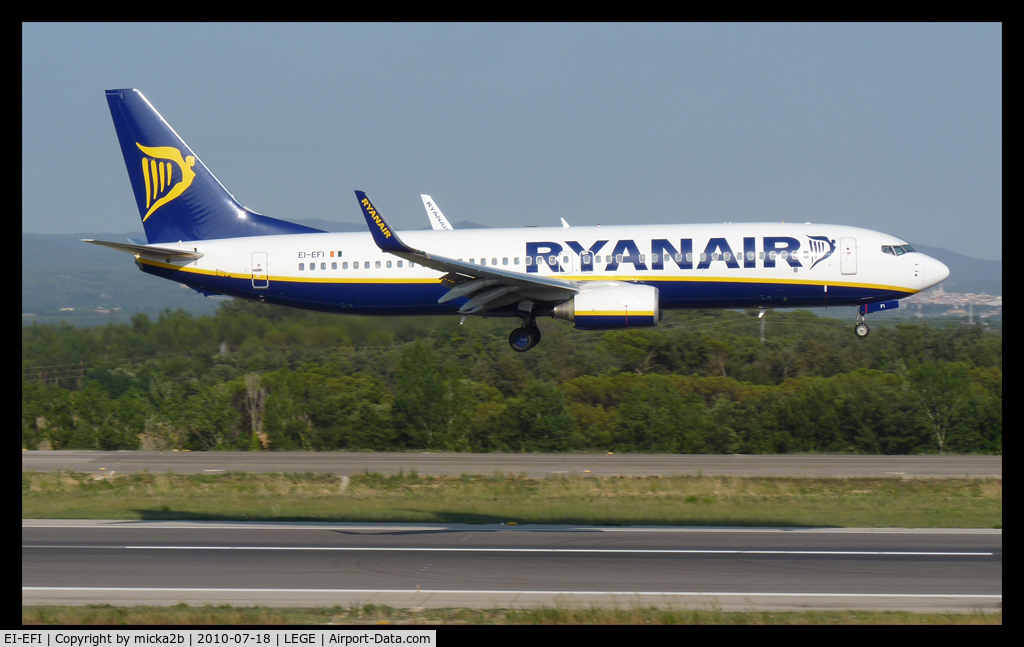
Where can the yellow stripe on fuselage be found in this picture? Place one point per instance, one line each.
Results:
(632, 279)
(730, 279)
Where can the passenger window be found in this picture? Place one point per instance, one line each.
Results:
(376, 265)
(750, 256)
(618, 258)
(552, 260)
(399, 264)
(679, 258)
(388, 265)
(689, 258)
(540, 260)
(728, 256)
(565, 259)
(473, 261)
(771, 255)
(784, 255)
(494, 262)
(302, 266)
(760, 255)
(642, 258)
(504, 261)
(323, 265)
(312, 266)
(529, 260)
(483, 261)
(585, 259)
(515, 261)
(703, 256)
(344, 265)
(334, 266)
(411, 264)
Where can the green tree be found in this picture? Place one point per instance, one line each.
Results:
(941, 388)
(421, 409)
(544, 421)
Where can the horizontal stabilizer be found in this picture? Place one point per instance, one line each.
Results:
(146, 250)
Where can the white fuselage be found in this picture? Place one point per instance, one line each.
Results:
(702, 265)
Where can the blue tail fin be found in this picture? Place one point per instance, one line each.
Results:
(178, 197)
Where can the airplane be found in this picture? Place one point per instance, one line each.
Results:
(439, 222)
(596, 277)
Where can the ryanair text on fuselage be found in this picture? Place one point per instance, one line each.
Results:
(663, 251)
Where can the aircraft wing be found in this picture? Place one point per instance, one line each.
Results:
(437, 219)
(146, 250)
(490, 287)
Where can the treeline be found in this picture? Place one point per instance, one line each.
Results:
(259, 377)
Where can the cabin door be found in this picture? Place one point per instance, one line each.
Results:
(260, 270)
(848, 255)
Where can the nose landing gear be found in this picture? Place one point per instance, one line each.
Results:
(524, 338)
(861, 328)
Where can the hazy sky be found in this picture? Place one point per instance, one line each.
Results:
(891, 127)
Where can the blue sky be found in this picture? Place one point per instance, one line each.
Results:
(896, 128)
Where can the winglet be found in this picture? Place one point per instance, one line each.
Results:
(383, 235)
(437, 219)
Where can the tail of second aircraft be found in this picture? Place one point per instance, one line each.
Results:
(178, 197)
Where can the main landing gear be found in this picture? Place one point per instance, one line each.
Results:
(524, 338)
(861, 328)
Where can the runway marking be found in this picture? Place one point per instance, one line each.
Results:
(328, 525)
(628, 551)
(85, 589)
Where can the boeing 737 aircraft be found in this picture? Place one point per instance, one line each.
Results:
(596, 277)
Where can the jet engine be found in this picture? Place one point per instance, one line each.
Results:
(615, 305)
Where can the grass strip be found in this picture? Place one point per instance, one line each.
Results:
(504, 499)
(682, 500)
(183, 614)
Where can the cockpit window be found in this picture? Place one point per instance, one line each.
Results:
(899, 250)
(908, 248)
(887, 249)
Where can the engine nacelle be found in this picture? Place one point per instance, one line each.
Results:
(616, 305)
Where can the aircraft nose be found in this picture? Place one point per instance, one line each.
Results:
(935, 272)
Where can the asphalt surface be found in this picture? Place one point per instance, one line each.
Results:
(402, 565)
(532, 465)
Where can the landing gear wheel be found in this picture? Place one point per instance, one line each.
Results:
(861, 330)
(521, 340)
(524, 338)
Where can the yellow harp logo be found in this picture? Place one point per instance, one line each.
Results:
(158, 173)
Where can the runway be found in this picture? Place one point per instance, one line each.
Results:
(532, 465)
(403, 565)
